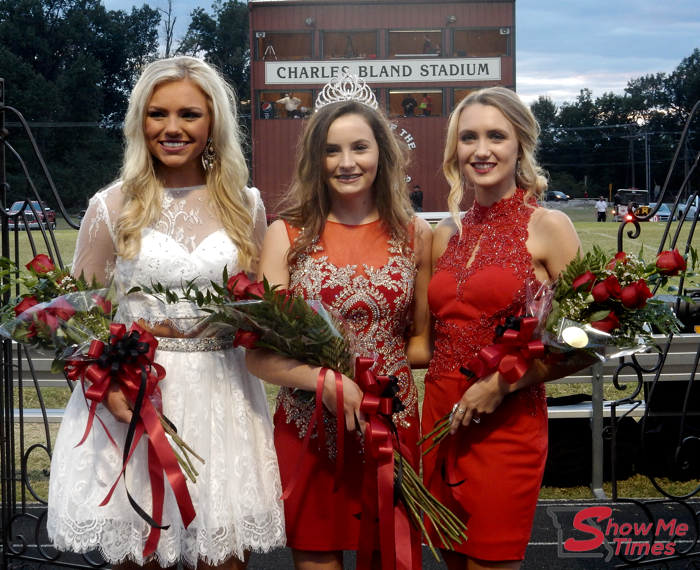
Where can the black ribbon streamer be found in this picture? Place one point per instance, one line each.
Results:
(126, 350)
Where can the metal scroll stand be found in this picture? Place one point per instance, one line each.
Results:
(269, 50)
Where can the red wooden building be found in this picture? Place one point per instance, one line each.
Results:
(437, 50)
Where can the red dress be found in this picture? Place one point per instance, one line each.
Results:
(368, 278)
(501, 458)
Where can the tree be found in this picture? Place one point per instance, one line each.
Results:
(222, 39)
(169, 27)
(72, 61)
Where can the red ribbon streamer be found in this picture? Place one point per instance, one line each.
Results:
(378, 481)
(511, 354)
(317, 418)
(129, 369)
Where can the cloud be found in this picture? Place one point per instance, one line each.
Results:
(565, 46)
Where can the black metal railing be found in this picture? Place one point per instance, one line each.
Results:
(26, 446)
(680, 421)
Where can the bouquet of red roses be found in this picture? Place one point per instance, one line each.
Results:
(604, 304)
(259, 315)
(601, 305)
(58, 312)
(73, 319)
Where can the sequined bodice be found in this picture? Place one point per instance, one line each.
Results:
(468, 300)
(372, 291)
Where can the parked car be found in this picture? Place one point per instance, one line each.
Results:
(45, 215)
(688, 209)
(664, 212)
(556, 196)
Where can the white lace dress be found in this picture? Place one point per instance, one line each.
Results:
(218, 407)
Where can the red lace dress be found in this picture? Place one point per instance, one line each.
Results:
(501, 458)
(362, 273)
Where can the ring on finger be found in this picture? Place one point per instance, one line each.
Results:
(476, 420)
(461, 411)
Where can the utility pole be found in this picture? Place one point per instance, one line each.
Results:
(631, 137)
(647, 157)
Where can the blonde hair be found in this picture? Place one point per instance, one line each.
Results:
(226, 181)
(532, 178)
(309, 196)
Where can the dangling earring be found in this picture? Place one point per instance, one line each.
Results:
(518, 169)
(208, 156)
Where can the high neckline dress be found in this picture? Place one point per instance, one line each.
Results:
(501, 459)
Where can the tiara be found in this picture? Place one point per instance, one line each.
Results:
(346, 88)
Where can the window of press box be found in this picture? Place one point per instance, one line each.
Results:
(285, 104)
(416, 103)
(272, 46)
(349, 45)
(415, 43)
(481, 43)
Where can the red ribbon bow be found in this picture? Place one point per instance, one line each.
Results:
(378, 504)
(511, 354)
(127, 359)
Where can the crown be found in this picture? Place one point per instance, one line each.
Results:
(346, 88)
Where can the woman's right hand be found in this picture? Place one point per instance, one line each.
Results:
(352, 399)
(117, 404)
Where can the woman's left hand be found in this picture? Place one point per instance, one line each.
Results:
(480, 399)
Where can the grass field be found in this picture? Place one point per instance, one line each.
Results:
(591, 233)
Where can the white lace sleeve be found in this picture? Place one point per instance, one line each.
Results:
(259, 217)
(94, 251)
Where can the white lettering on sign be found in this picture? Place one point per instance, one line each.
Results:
(382, 71)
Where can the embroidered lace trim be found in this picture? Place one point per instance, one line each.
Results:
(496, 236)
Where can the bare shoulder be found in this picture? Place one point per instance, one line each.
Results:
(441, 237)
(277, 233)
(424, 231)
(552, 242)
(552, 223)
(273, 257)
(445, 229)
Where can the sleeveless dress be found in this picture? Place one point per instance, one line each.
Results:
(501, 459)
(219, 408)
(361, 272)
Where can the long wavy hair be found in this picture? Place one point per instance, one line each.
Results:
(309, 200)
(531, 177)
(226, 181)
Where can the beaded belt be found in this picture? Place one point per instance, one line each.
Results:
(193, 344)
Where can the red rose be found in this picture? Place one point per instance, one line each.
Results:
(584, 282)
(606, 289)
(255, 289)
(635, 295)
(237, 284)
(608, 324)
(61, 309)
(620, 257)
(41, 264)
(670, 263)
(246, 339)
(26, 303)
(47, 319)
(102, 303)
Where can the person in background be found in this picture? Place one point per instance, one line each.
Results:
(409, 105)
(180, 211)
(601, 207)
(416, 199)
(427, 105)
(291, 103)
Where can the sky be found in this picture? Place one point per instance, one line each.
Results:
(563, 46)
